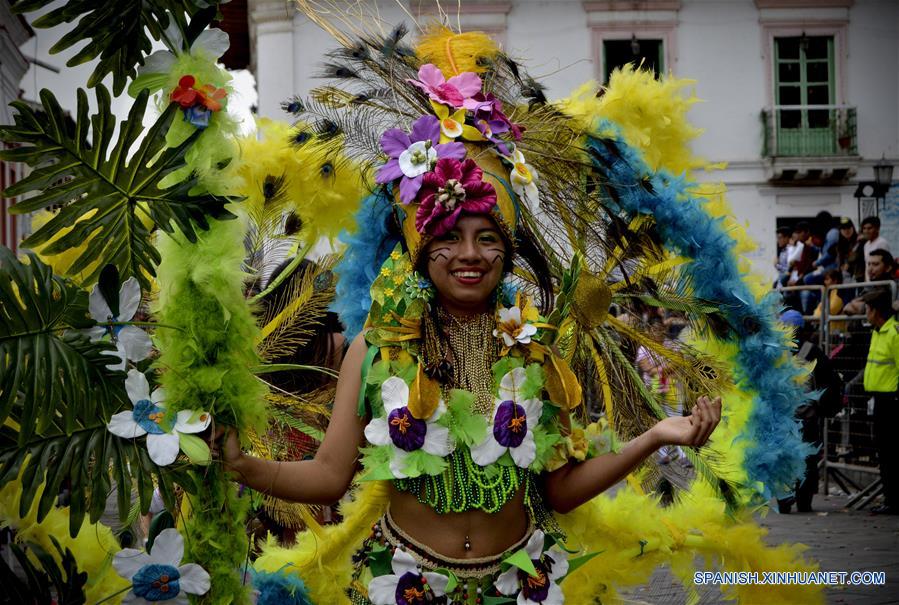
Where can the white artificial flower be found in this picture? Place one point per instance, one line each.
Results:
(407, 584)
(399, 428)
(131, 342)
(417, 159)
(213, 42)
(542, 589)
(524, 180)
(512, 422)
(511, 329)
(146, 419)
(159, 576)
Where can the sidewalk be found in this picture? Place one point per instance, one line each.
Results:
(837, 538)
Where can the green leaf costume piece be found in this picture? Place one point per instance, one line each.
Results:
(104, 192)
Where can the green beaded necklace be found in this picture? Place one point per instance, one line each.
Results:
(466, 486)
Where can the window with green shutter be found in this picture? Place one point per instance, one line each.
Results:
(804, 77)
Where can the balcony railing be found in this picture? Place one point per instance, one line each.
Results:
(809, 131)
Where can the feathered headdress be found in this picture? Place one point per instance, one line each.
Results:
(453, 125)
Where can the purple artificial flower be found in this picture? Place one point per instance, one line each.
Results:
(491, 121)
(411, 155)
(514, 418)
(510, 424)
(406, 431)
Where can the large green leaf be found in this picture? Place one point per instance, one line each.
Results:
(50, 371)
(56, 397)
(101, 190)
(116, 30)
(39, 579)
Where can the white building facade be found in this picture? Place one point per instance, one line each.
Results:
(13, 65)
(801, 97)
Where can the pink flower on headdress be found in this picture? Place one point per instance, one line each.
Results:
(452, 188)
(455, 92)
(412, 155)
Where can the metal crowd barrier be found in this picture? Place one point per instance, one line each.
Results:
(849, 457)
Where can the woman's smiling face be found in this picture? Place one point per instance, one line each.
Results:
(466, 264)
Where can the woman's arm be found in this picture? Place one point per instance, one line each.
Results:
(325, 478)
(578, 482)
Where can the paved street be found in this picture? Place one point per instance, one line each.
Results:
(839, 539)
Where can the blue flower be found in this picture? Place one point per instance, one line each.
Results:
(198, 116)
(159, 576)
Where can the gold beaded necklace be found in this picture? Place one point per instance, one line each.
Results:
(467, 349)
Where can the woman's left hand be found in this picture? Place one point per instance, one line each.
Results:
(694, 429)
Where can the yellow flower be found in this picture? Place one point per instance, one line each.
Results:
(395, 255)
(388, 291)
(577, 443)
(385, 271)
(453, 126)
(398, 280)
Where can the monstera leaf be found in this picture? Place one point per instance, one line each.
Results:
(116, 30)
(40, 579)
(56, 396)
(46, 363)
(104, 193)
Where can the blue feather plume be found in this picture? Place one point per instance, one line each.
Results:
(366, 250)
(776, 455)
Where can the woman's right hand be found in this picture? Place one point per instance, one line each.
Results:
(225, 448)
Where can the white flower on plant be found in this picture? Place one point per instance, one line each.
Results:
(131, 342)
(405, 432)
(147, 418)
(407, 585)
(512, 329)
(513, 419)
(542, 589)
(524, 180)
(159, 576)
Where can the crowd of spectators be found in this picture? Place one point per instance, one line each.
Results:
(862, 352)
(827, 251)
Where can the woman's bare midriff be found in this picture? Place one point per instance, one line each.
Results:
(487, 533)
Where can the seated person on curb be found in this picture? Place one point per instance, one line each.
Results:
(880, 268)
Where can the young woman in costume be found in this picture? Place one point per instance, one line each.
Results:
(464, 498)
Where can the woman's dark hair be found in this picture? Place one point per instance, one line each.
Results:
(528, 256)
(319, 349)
(835, 275)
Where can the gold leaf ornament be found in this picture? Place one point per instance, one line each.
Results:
(592, 299)
(561, 383)
(424, 395)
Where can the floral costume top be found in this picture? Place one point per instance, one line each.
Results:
(456, 449)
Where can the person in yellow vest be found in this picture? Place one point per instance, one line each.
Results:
(881, 381)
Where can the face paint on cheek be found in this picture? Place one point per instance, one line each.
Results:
(435, 255)
(500, 256)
